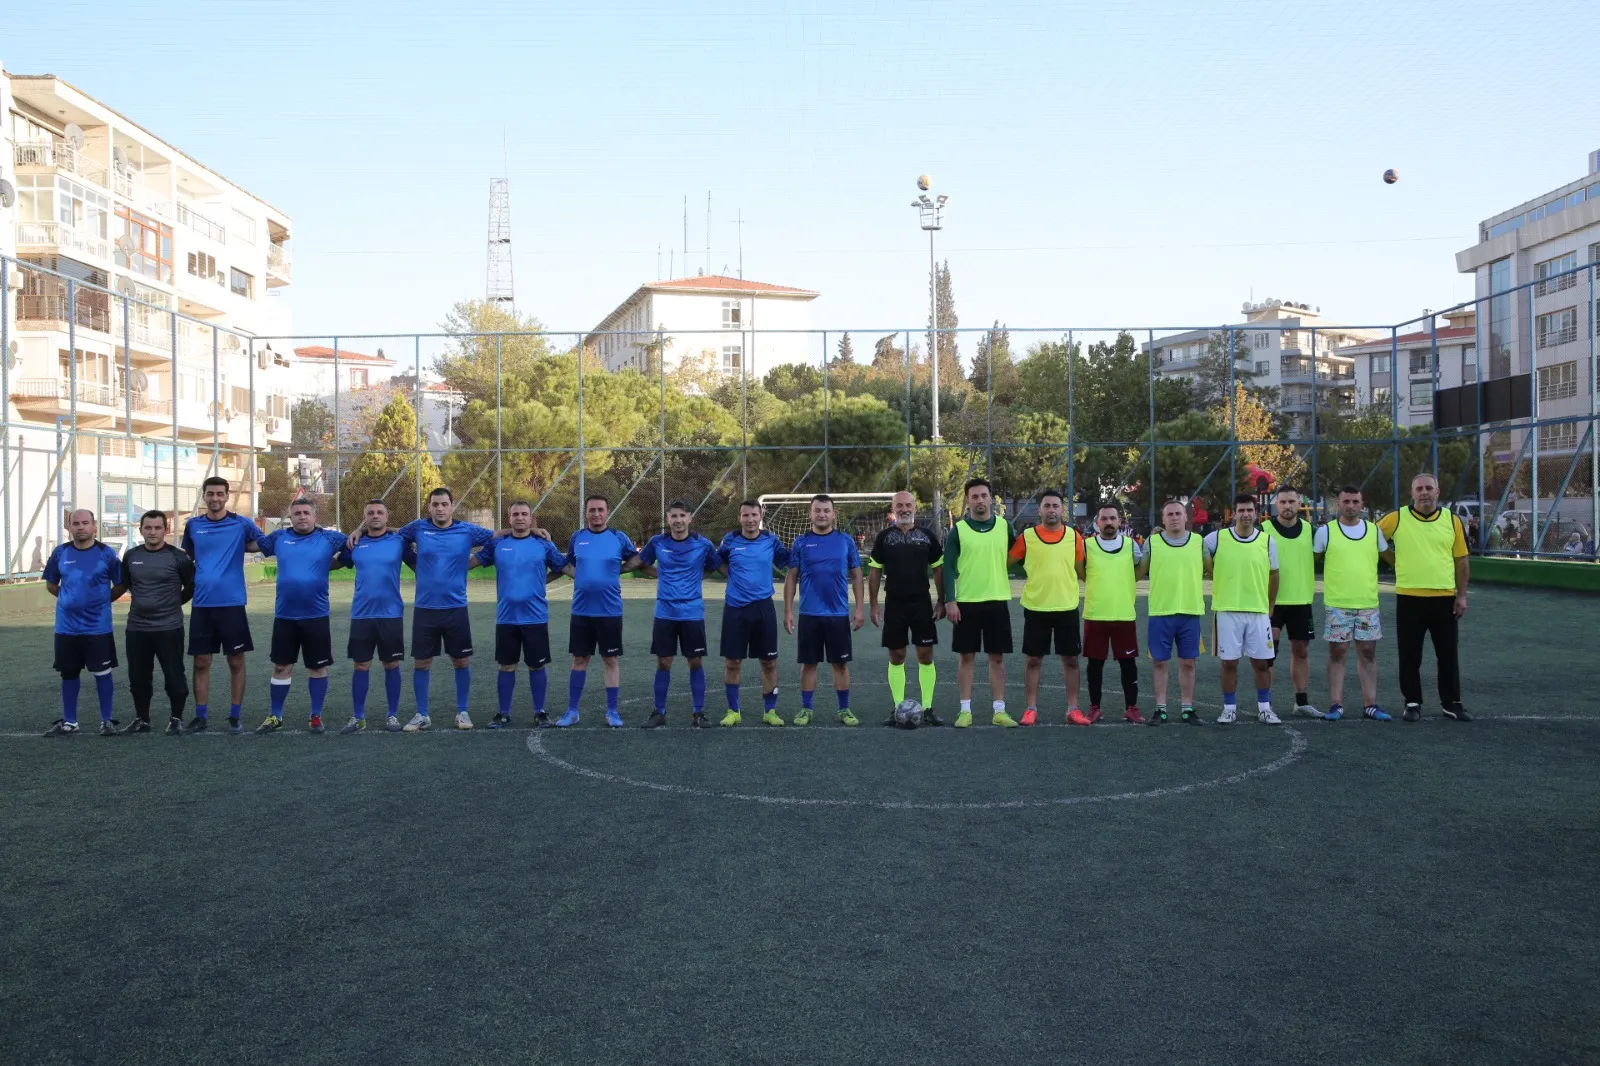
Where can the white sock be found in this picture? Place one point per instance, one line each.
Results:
(966, 706)
(999, 706)
(1263, 706)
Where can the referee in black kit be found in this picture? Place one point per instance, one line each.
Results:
(161, 580)
(902, 556)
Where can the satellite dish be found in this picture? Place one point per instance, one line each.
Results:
(8, 193)
(1246, 308)
(119, 159)
(74, 135)
(126, 245)
(125, 284)
(11, 356)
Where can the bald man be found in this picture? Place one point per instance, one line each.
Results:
(903, 557)
(80, 575)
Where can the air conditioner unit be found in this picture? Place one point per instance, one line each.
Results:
(273, 424)
(261, 360)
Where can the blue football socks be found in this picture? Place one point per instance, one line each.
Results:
(419, 689)
(575, 682)
(506, 688)
(769, 700)
(391, 688)
(807, 698)
(611, 698)
(463, 688)
(360, 682)
(280, 693)
(663, 683)
(318, 687)
(844, 698)
(539, 681)
(733, 697)
(69, 699)
(105, 688)
(697, 688)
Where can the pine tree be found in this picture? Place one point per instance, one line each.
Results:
(391, 469)
(847, 350)
(949, 355)
(887, 356)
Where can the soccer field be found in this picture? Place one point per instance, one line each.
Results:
(1345, 893)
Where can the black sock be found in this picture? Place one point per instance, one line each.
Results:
(1302, 698)
(1130, 681)
(1096, 672)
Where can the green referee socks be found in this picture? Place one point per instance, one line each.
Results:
(897, 682)
(927, 674)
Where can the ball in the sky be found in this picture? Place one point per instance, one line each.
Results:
(924, 183)
(1390, 176)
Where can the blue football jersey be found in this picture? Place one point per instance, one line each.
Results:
(443, 556)
(598, 559)
(750, 562)
(522, 566)
(681, 567)
(217, 547)
(377, 564)
(83, 606)
(304, 561)
(824, 561)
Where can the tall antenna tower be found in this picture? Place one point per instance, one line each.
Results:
(501, 293)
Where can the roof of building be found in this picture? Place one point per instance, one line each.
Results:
(320, 354)
(714, 284)
(191, 159)
(1449, 333)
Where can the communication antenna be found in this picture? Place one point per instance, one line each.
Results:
(74, 135)
(500, 289)
(708, 231)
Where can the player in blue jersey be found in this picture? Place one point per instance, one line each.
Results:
(824, 564)
(217, 541)
(377, 612)
(80, 575)
(523, 563)
(300, 625)
(439, 619)
(596, 560)
(751, 555)
(679, 560)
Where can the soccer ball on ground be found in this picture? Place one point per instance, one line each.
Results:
(924, 183)
(908, 714)
(1390, 177)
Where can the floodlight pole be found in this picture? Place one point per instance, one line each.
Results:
(930, 215)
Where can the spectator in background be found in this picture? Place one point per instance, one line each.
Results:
(1574, 544)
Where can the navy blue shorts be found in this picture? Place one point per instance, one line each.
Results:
(224, 629)
(307, 639)
(433, 628)
(1166, 631)
(668, 635)
(527, 642)
(750, 631)
(824, 638)
(593, 634)
(383, 637)
(75, 652)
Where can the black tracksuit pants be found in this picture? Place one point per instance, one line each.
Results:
(1418, 617)
(144, 650)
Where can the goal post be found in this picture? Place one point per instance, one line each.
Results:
(861, 514)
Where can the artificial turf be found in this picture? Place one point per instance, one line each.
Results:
(1396, 893)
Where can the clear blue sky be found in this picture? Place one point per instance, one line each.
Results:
(1122, 163)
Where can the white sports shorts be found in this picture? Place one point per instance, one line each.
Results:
(1243, 636)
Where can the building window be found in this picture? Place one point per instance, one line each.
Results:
(1422, 361)
(1563, 437)
(1594, 252)
(244, 227)
(1558, 327)
(1291, 339)
(358, 378)
(241, 283)
(1554, 266)
(1382, 397)
(1421, 394)
(1381, 364)
(203, 266)
(1263, 366)
(732, 314)
(731, 356)
(1558, 382)
(150, 253)
(1259, 340)
(1469, 364)
(1500, 323)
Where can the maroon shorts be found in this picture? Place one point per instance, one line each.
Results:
(1110, 640)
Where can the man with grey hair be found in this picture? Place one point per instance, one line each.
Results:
(1428, 550)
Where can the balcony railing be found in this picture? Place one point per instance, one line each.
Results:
(37, 234)
(279, 263)
(59, 155)
(89, 392)
(36, 307)
(201, 224)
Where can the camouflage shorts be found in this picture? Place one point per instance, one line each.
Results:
(1340, 625)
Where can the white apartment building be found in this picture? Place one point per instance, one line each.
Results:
(1406, 361)
(112, 403)
(1283, 345)
(1547, 328)
(362, 379)
(745, 325)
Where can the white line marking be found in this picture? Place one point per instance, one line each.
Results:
(1297, 748)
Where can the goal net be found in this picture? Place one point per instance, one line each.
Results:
(860, 514)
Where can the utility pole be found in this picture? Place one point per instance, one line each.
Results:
(930, 215)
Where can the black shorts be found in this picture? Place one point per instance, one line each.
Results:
(1042, 628)
(984, 626)
(433, 628)
(1295, 620)
(823, 638)
(224, 629)
(595, 635)
(307, 639)
(668, 635)
(907, 622)
(383, 637)
(94, 652)
(528, 642)
(750, 631)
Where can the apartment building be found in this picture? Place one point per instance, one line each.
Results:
(1406, 361)
(136, 280)
(1280, 344)
(1540, 312)
(745, 326)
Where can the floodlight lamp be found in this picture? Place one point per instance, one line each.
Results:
(943, 199)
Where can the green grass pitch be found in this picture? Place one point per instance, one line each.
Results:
(1389, 894)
